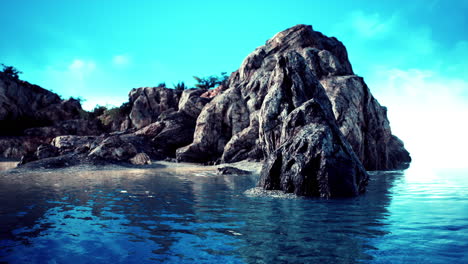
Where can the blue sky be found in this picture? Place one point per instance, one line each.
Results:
(413, 54)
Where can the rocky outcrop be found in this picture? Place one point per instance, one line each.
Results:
(113, 149)
(313, 158)
(170, 130)
(23, 105)
(16, 147)
(67, 144)
(244, 120)
(149, 102)
(174, 129)
(363, 121)
(31, 116)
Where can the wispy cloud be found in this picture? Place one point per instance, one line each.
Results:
(371, 25)
(81, 68)
(121, 60)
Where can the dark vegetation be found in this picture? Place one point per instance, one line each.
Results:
(10, 71)
(210, 81)
(180, 86)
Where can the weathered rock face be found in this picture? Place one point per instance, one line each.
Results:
(364, 123)
(149, 102)
(192, 102)
(31, 116)
(244, 120)
(177, 131)
(16, 147)
(114, 149)
(66, 144)
(171, 130)
(23, 105)
(313, 158)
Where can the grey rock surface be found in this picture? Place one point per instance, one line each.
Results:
(313, 158)
(363, 121)
(243, 121)
(149, 102)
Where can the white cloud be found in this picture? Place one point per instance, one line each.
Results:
(121, 60)
(371, 25)
(427, 111)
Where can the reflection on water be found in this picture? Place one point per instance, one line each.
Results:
(190, 215)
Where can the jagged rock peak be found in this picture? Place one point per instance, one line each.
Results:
(326, 55)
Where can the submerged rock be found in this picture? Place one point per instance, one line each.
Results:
(227, 170)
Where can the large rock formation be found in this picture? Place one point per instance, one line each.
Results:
(244, 120)
(31, 116)
(23, 105)
(275, 107)
(294, 102)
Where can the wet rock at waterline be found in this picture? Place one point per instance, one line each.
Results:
(228, 170)
(313, 158)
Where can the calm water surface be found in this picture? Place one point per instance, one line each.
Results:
(189, 215)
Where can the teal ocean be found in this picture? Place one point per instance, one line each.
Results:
(190, 215)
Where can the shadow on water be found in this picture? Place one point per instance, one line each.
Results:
(180, 215)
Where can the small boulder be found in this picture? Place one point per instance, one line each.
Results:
(227, 170)
(140, 159)
(114, 149)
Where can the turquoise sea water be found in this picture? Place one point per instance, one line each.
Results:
(185, 215)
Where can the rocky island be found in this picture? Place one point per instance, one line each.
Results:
(294, 104)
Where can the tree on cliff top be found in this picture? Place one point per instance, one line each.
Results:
(11, 71)
(210, 81)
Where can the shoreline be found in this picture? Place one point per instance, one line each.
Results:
(251, 166)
